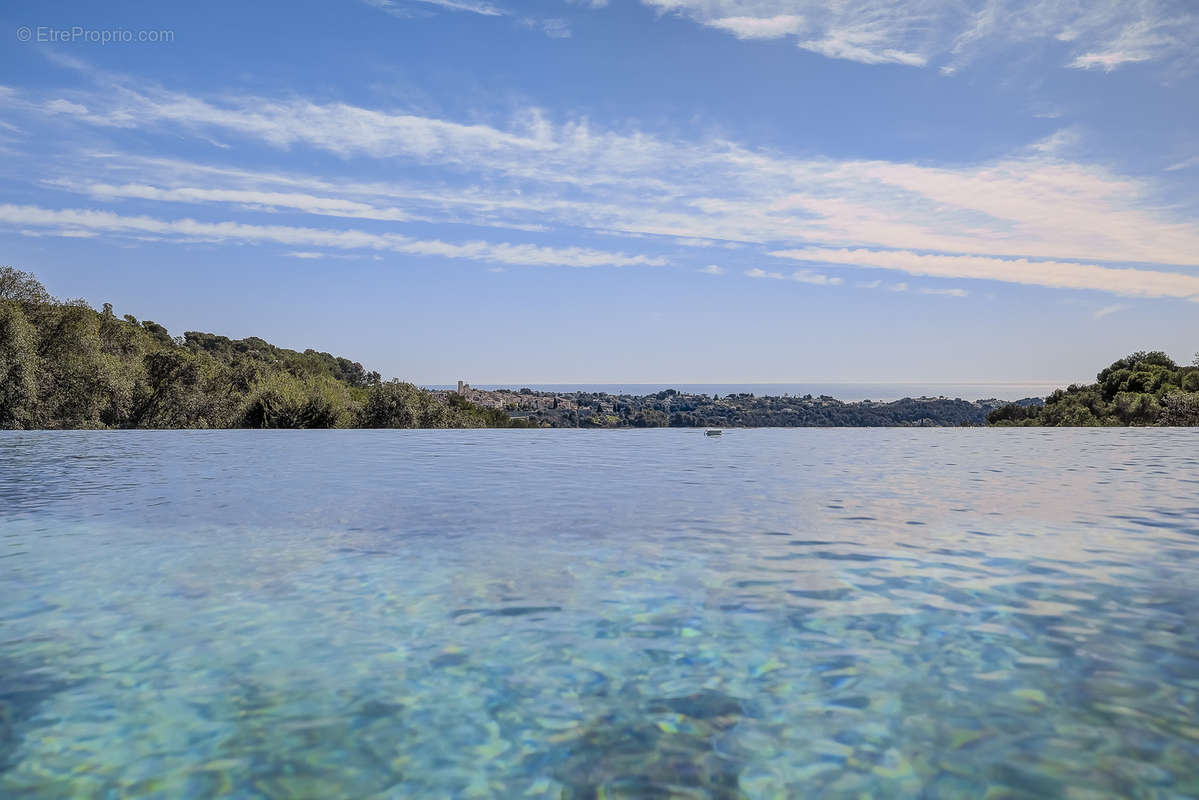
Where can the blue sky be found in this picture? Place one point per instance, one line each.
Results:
(660, 190)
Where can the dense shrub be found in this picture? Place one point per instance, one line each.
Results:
(66, 365)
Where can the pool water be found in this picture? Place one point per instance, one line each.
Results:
(926, 613)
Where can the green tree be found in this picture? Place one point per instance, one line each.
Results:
(286, 401)
(18, 368)
(23, 288)
(1180, 408)
(397, 404)
(74, 376)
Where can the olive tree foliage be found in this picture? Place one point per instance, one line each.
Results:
(20, 294)
(67, 365)
(287, 401)
(1181, 409)
(183, 390)
(23, 288)
(76, 382)
(1144, 388)
(18, 368)
(399, 404)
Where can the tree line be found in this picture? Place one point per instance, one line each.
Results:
(1144, 388)
(672, 408)
(63, 364)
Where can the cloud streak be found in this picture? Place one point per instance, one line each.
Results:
(1104, 34)
(800, 276)
(1059, 274)
(399, 9)
(1034, 204)
(533, 174)
(73, 220)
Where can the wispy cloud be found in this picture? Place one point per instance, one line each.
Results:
(760, 27)
(758, 272)
(1104, 34)
(712, 269)
(262, 200)
(1030, 205)
(816, 278)
(1107, 310)
(688, 241)
(946, 292)
(1061, 274)
(242, 233)
(534, 174)
(801, 276)
(400, 8)
(1142, 35)
(553, 27)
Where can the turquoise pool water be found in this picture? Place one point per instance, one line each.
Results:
(536, 614)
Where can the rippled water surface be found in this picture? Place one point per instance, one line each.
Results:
(771, 613)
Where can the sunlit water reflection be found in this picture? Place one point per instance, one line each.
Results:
(771, 613)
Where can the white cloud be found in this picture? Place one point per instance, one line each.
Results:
(1106, 310)
(1034, 204)
(556, 28)
(849, 45)
(1057, 143)
(946, 292)
(400, 9)
(1067, 275)
(760, 27)
(553, 28)
(61, 106)
(899, 287)
(241, 233)
(802, 276)
(1140, 38)
(758, 272)
(687, 241)
(1100, 34)
(712, 269)
(1107, 61)
(66, 233)
(310, 204)
(308, 254)
(532, 174)
(816, 278)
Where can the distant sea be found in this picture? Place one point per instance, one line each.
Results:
(847, 392)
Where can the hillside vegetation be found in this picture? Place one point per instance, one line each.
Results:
(671, 408)
(1145, 388)
(64, 364)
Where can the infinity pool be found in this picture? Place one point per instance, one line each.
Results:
(772, 613)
